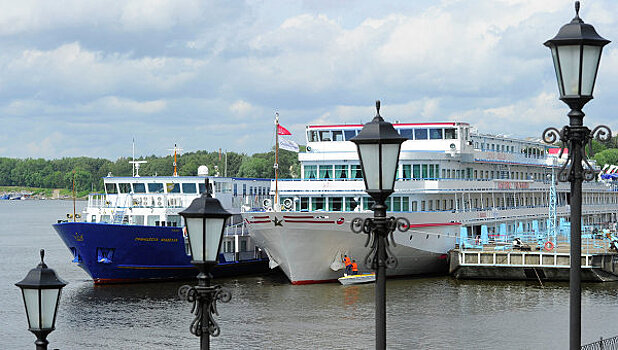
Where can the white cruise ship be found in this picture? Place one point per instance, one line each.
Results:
(451, 179)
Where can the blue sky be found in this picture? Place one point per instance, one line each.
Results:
(82, 78)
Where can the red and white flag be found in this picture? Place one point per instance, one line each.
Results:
(282, 131)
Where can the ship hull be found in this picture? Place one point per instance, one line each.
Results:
(114, 253)
(308, 247)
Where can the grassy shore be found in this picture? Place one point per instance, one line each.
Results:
(42, 192)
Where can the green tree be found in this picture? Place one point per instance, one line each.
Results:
(608, 156)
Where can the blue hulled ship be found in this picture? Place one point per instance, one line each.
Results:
(133, 232)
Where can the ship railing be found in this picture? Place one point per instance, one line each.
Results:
(603, 344)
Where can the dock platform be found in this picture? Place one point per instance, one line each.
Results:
(598, 265)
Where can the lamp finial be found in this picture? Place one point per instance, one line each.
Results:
(378, 107)
(42, 255)
(576, 8)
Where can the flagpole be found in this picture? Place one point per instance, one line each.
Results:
(276, 159)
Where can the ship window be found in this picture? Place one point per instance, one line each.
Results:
(350, 204)
(326, 171)
(304, 203)
(155, 188)
(317, 203)
(349, 134)
(396, 203)
(139, 188)
(189, 188)
(106, 218)
(420, 134)
(311, 171)
(407, 171)
(152, 219)
(414, 206)
(335, 204)
(416, 171)
(325, 135)
(124, 187)
(111, 188)
(450, 133)
(313, 136)
(405, 203)
(357, 173)
(341, 171)
(138, 219)
(201, 187)
(173, 220)
(435, 134)
(425, 173)
(368, 203)
(172, 187)
(407, 133)
(337, 135)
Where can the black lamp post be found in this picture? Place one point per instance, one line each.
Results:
(378, 146)
(576, 51)
(41, 293)
(205, 219)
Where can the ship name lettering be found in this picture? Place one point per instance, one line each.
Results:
(146, 239)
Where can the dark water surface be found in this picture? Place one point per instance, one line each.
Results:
(269, 313)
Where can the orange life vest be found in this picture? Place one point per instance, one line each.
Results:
(347, 261)
(354, 267)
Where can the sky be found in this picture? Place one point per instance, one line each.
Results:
(85, 78)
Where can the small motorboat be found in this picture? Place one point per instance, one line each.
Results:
(357, 279)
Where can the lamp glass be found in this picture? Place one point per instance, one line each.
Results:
(591, 55)
(554, 54)
(370, 160)
(43, 301)
(390, 156)
(204, 237)
(569, 68)
(214, 232)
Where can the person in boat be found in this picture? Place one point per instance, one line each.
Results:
(348, 264)
(354, 267)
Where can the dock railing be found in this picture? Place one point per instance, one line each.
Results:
(603, 344)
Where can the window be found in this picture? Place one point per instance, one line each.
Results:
(151, 220)
(138, 219)
(337, 135)
(173, 187)
(173, 220)
(335, 204)
(420, 134)
(124, 187)
(189, 188)
(349, 134)
(139, 188)
(405, 203)
(435, 134)
(425, 172)
(317, 203)
(325, 135)
(368, 203)
(450, 133)
(111, 188)
(407, 133)
(155, 188)
(304, 203)
(350, 203)
(396, 203)
(341, 171)
(311, 171)
(407, 171)
(357, 173)
(202, 187)
(416, 171)
(326, 171)
(313, 136)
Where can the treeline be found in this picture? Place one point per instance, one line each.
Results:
(88, 172)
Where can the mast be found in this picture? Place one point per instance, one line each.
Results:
(136, 163)
(276, 166)
(175, 149)
(74, 218)
(133, 156)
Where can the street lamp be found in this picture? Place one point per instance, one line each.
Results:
(576, 52)
(41, 293)
(205, 219)
(378, 146)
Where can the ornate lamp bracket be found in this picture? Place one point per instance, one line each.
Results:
(576, 137)
(373, 227)
(204, 298)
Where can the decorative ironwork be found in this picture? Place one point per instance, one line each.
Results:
(576, 137)
(603, 344)
(204, 298)
(373, 227)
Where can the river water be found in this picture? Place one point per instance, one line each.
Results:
(266, 312)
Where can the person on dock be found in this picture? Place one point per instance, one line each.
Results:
(354, 267)
(348, 265)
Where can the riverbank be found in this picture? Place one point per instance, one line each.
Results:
(19, 192)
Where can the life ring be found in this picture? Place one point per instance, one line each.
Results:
(287, 203)
(549, 246)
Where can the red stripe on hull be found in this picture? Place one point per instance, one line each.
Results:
(298, 216)
(310, 222)
(312, 282)
(259, 221)
(435, 224)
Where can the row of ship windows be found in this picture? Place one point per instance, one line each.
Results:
(185, 187)
(404, 204)
(528, 152)
(409, 133)
(415, 171)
